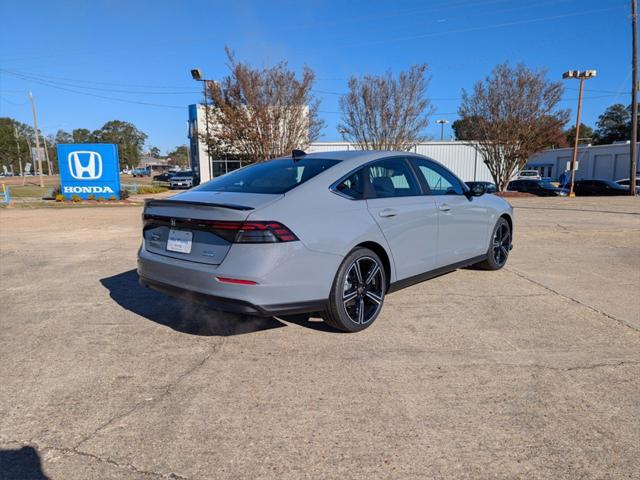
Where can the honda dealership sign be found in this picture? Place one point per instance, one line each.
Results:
(89, 169)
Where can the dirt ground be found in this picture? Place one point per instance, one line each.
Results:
(529, 372)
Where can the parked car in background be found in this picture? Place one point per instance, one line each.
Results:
(626, 181)
(141, 172)
(163, 177)
(528, 175)
(490, 187)
(184, 179)
(537, 187)
(327, 232)
(596, 187)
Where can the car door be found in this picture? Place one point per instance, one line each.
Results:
(462, 220)
(407, 218)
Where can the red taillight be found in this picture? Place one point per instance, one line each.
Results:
(234, 232)
(251, 232)
(237, 281)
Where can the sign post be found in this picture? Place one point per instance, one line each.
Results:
(89, 169)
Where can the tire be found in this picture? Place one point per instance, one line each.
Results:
(499, 248)
(362, 279)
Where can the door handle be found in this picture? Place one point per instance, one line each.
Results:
(388, 212)
(444, 207)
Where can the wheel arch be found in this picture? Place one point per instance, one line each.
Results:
(509, 220)
(384, 256)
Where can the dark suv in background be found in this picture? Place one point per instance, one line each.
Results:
(599, 187)
(541, 188)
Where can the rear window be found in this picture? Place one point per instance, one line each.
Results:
(274, 176)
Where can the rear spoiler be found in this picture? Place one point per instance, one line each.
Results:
(150, 202)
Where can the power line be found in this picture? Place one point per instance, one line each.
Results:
(105, 97)
(483, 27)
(92, 82)
(77, 85)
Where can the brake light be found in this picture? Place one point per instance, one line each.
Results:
(251, 232)
(233, 232)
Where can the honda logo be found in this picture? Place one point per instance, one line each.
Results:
(85, 165)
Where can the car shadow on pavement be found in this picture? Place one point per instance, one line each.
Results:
(22, 464)
(194, 318)
(182, 316)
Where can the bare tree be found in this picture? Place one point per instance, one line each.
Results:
(259, 114)
(386, 113)
(513, 114)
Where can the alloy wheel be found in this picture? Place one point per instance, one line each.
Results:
(501, 244)
(363, 293)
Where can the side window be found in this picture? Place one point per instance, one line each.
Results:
(353, 187)
(439, 180)
(393, 178)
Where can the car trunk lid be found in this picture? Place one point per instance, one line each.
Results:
(172, 226)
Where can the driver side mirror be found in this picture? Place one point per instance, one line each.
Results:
(478, 189)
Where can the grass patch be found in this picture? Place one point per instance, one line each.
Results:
(33, 191)
(143, 189)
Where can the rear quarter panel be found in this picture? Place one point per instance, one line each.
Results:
(324, 221)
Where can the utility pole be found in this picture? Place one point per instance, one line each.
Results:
(35, 127)
(15, 133)
(633, 151)
(46, 153)
(582, 76)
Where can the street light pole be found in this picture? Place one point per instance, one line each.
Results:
(442, 124)
(196, 74)
(582, 76)
(633, 157)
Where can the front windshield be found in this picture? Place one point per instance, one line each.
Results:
(274, 177)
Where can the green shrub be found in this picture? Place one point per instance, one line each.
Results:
(124, 194)
(143, 189)
(59, 197)
(91, 197)
(101, 199)
(76, 199)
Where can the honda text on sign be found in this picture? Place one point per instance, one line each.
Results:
(89, 169)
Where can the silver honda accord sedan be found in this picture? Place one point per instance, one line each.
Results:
(329, 233)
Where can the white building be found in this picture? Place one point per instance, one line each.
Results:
(462, 158)
(210, 166)
(607, 162)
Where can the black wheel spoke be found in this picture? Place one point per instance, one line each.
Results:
(347, 297)
(356, 267)
(500, 244)
(375, 298)
(372, 273)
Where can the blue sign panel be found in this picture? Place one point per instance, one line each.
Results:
(89, 169)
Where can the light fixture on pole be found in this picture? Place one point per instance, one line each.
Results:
(196, 74)
(581, 75)
(442, 123)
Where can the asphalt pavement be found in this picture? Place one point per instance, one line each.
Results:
(529, 372)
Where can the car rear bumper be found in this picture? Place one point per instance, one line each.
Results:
(289, 278)
(233, 305)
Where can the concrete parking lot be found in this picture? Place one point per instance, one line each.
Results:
(529, 372)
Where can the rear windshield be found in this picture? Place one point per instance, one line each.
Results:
(274, 176)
